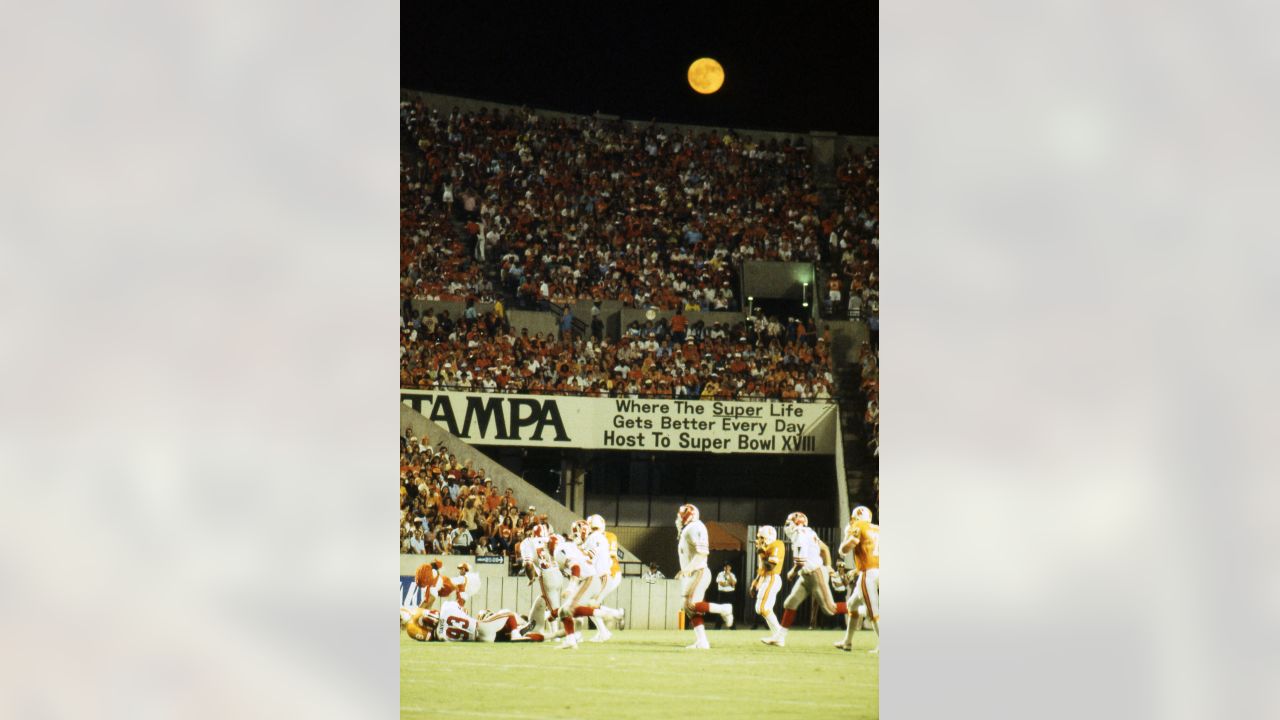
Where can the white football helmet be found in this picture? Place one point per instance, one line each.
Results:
(765, 534)
(578, 531)
(794, 520)
(862, 512)
(595, 522)
(685, 515)
(538, 531)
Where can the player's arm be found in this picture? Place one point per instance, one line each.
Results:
(826, 554)
(851, 537)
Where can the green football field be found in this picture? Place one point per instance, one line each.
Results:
(643, 674)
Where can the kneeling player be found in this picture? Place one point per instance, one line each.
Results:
(811, 572)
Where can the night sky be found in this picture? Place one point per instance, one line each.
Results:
(798, 67)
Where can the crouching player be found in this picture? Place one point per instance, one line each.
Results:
(541, 570)
(579, 587)
(862, 537)
(601, 541)
(452, 624)
(772, 553)
(811, 572)
(695, 577)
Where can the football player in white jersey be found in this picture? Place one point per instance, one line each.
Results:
(542, 572)
(580, 576)
(452, 624)
(695, 577)
(596, 547)
(811, 572)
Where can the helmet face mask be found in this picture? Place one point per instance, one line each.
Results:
(429, 620)
(685, 515)
(795, 520)
(765, 534)
(578, 531)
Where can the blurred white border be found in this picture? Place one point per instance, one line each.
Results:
(198, 207)
(1078, 415)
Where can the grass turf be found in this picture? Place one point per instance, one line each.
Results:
(642, 674)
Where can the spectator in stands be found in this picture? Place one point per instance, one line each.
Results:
(651, 574)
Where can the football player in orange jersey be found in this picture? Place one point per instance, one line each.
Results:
(772, 553)
(862, 538)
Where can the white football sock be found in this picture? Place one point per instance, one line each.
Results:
(539, 615)
(719, 608)
(772, 621)
(699, 632)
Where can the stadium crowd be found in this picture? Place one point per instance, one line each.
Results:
(868, 368)
(853, 242)
(447, 506)
(756, 358)
(583, 207)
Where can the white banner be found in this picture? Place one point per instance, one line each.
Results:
(718, 426)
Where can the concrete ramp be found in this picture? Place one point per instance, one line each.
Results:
(560, 516)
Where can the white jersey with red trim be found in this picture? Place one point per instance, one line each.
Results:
(568, 556)
(694, 546)
(805, 548)
(534, 550)
(597, 551)
(455, 624)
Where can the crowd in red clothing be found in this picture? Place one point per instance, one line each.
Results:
(853, 235)
(447, 506)
(757, 358)
(582, 207)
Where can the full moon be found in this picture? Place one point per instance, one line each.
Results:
(705, 76)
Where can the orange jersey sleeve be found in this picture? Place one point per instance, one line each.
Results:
(614, 566)
(866, 553)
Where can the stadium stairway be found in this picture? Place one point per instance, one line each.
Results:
(557, 514)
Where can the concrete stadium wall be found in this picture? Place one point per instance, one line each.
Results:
(630, 315)
(409, 564)
(767, 279)
(535, 321)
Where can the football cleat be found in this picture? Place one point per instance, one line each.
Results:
(701, 645)
(602, 635)
(728, 618)
(774, 640)
(841, 645)
(685, 515)
(569, 643)
(862, 512)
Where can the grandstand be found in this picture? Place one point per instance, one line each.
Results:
(603, 316)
